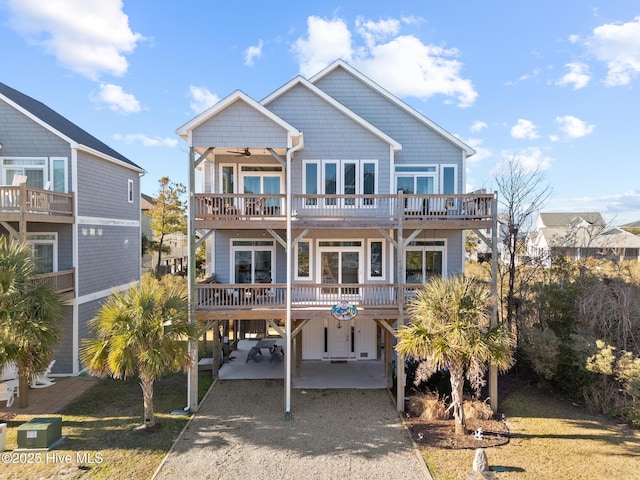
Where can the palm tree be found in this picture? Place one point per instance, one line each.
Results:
(450, 329)
(142, 331)
(29, 312)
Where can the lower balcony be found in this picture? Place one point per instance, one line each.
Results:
(268, 301)
(62, 282)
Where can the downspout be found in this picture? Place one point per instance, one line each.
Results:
(288, 340)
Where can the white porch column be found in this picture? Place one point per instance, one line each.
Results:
(192, 378)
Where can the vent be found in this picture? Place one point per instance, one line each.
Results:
(364, 354)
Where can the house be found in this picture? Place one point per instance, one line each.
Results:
(76, 201)
(578, 236)
(175, 260)
(323, 207)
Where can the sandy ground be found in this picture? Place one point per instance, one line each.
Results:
(240, 433)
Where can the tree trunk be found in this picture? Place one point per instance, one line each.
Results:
(160, 242)
(456, 373)
(147, 394)
(23, 389)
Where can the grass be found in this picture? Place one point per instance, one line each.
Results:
(550, 438)
(102, 439)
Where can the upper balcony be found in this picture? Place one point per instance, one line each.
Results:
(251, 211)
(24, 203)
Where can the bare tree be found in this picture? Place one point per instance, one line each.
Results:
(522, 192)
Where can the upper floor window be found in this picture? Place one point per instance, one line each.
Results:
(40, 172)
(130, 190)
(340, 178)
(417, 179)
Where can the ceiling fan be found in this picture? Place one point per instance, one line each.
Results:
(245, 153)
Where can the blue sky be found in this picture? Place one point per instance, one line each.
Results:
(553, 84)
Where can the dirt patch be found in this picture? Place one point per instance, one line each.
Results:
(441, 433)
(5, 417)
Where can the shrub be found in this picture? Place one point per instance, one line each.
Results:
(477, 410)
(428, 406)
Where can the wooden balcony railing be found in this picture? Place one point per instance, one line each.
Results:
(216, 296)
(17, 199)
(371, 208)
(62, 282)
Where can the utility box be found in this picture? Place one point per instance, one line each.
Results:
(40, 433)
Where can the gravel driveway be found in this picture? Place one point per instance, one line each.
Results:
(240, 433)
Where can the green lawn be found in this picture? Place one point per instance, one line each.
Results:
(550, 438)
(102, 439)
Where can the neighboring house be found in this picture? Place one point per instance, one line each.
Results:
(77, 202)
(578, 236)
(175, 261)
(328, 190)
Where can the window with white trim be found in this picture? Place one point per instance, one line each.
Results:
(44, 249)
(130, 190)
(303, 260)
(377, 260)
(35, 169)
(340, 177)
(252, 261)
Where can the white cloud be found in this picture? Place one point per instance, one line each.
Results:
(531, 159)
(253, 52)
(90, 38)
(573, 127)
(116, 99)
(617, 45)
(326, 40)
(403, 64)
(201, 98)
(478, 125)
(482, 153)
(578, 76)
(146, 141)
(524, 129)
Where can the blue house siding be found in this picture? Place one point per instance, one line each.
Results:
(103, 189)
(108, 256)
(230, 127)
(420, 144)
(22, 137)
(63, 352)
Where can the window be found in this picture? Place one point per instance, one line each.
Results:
(130, 190)
(449, 179)
(58, 175)
(418, 180)
(35, 170)
(252, 261)
(425, 259)
(340, 177)
(303, 265)
(44, 248)
(376, 259)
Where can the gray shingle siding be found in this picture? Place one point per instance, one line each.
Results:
(108, 256)
(242, 126)
(329, 134)
(103, 189)
(420, 144)
(63, 353)
(21, 137)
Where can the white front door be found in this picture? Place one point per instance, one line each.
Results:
(339, 341)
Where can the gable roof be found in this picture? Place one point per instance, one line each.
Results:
(59, 125)
(185, 130)
(571, 218)
(297, 81)
(392, 98)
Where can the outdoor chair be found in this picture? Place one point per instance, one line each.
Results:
(276, 354)
(43, 380)
(254, 354)
(7, 392)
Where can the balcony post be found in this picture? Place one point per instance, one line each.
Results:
(400, 299)
(192, 378)
(22, 228)
(493, 371)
